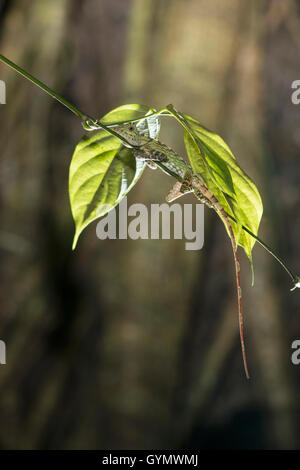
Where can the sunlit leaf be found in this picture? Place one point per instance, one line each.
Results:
(211, 157)
(125, 112)
(102, 171)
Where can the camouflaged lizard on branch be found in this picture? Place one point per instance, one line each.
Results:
(158, 154)
(155, 153)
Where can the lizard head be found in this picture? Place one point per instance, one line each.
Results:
(131, 134)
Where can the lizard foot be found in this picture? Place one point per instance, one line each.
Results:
(175, 192)
(151, 164)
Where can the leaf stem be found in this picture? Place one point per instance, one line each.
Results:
(44, 87)
(94, 124)
(295, 279)
(266, 247)
(88, 122)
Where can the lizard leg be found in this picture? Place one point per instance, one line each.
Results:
(187, 186)
(142, 156)
(179, 189)
(175, 192)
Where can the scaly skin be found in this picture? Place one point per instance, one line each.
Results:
(173, 164)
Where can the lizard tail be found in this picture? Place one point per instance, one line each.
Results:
(217, 206)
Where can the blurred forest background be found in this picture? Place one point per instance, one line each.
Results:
(134, 344)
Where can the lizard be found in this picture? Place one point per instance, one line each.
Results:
(155, 153)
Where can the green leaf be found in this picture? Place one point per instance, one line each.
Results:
(102, 171)
(149, 127)
(211, 157)
(199, 167)
(125, 112)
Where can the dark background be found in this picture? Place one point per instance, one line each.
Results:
(134, 344)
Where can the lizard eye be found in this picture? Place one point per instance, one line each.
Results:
(131, 128)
